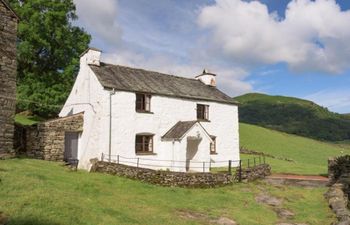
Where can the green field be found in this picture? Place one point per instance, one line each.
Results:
(46, 193)
(310, 156)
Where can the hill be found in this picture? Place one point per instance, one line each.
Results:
(307, 156)
(294, 116)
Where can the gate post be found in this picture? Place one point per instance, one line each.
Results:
(240, 171)
(230, 166)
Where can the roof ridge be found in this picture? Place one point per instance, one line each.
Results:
(152, 71)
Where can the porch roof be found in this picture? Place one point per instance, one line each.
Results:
(178, 131)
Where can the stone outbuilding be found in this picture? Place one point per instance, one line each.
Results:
(8, 71)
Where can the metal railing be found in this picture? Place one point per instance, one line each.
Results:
(226, 166)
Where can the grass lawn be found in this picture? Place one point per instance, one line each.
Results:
(46, 193)
(310, 156)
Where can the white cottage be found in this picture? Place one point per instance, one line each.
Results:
(149, 119)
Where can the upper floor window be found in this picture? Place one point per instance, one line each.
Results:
(202, 112)
(144, 144)
(143, 102)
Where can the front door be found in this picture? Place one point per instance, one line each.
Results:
(191, 150)
(71, 140)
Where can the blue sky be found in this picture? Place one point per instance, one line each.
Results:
(281, 47)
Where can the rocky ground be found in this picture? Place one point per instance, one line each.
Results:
(3, 218)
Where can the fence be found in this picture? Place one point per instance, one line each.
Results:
(227, 166)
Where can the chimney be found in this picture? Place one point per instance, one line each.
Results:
(91, 56)
(207, 78)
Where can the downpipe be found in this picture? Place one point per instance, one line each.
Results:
(111, 93)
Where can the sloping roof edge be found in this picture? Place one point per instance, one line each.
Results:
(7, 5)
(90, 48)
(183, 133)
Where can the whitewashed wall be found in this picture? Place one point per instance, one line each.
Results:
(89, 96)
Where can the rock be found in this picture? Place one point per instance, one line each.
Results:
(291, 223)
(3, 219)
(269, 200)
(284, 213)
(338, 202)
(225, 221)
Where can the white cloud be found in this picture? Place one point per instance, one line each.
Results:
(336, 100)
(99, 18)
(313, 36)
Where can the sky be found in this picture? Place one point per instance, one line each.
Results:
(296, 48)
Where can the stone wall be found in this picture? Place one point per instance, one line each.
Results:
(177, 179)
(8, 70)
(46, 140)
(338, 194)
(256, 172)
(338, 202)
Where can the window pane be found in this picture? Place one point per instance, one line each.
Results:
(140, 101)
(206, 113)
(213, 145)
(200, 111)
(138, 143)
(148, 103)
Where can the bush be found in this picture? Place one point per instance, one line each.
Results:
(341, 166)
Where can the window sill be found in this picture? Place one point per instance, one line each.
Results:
(141, 111)
(146, 153)
(213, 153)
(203, 120)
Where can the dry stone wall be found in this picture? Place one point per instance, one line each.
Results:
(178, 179)
(46, 140)
(8, 68)
(338, 194)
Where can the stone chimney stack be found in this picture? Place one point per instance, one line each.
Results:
(207, 78)
(91, 56)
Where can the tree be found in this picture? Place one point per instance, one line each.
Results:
(47, 53)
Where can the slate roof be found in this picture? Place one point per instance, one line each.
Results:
(124, 78)
(179, 129)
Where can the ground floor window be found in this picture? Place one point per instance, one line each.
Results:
(213, 145)
(144, 144)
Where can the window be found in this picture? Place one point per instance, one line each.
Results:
(143, 103)
(213, 145)
(202, 112)
(144, 144)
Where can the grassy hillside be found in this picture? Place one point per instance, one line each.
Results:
(293, 115)
(309, 156)
(46, 193)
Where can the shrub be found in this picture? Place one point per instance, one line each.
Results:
(341, 166)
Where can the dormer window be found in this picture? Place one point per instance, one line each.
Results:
(143, 103)
(202, 112)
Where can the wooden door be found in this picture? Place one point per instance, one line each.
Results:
(71, 141)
